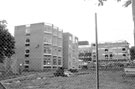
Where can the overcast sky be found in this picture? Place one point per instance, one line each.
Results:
(74, 16)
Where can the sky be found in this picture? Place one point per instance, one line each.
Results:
(75, 16)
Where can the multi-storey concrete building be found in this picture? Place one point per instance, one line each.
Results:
(39, 46)
(112, 51)
(85, 52)
(70, 51)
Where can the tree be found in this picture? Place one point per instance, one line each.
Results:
(132, 53)
(127, 3)
(7, 42)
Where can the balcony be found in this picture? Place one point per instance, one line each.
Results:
(48, 29)
(48, 43)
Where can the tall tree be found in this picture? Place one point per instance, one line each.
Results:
(132, 53)
(7, 42)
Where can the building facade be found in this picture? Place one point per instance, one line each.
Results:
(70, 51)
(39, 46)
(85, 53)
(111, 51)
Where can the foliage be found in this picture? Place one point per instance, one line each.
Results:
(7, 43)
(127, 3)
(132, 53)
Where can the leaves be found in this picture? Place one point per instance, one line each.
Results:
(7, 43)
(132, 52)
(127, 3)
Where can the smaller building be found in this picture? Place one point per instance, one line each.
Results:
(85, 53)
(83, 43)
(111, 52)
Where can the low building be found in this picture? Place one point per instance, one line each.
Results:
(83, 43)
(111, 52)
(85, 53)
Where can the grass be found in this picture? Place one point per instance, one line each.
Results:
(114, 79)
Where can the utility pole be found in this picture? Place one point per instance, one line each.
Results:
(133, 12)
(97, 69)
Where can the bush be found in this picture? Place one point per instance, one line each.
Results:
(73, 70)
(60, 72)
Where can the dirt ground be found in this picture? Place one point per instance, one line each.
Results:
(83, 80)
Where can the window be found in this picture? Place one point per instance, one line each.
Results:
(27, 40)
(48, 38)
(46, 67)
(59, 42)
(27, 50)
(70, 38)
(27, 44)
(54, 60)
(124, 55)
(47, 50)
(54, 41)
(59, 60)
(123, 49)
(55, 31)
(106, 49)
(48, 29)
(27, 61)
(26, 66)
(94, 56)
(27, 55)
(54, 51)
(60, 34)
(27, 31)
(94, 60)
(106, 56)
(47, 60)
(111, 55)
(93, 45)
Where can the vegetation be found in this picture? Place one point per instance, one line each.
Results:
(127, 3)
(7, 42)
(132, 53)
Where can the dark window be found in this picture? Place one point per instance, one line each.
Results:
(94, 60)
(27, 44)
(26, 66)
(124, 55)
(27, 61)
(47, 66)
(27, 34)
(27, 40)
(54, 60)
(111, 55)
(27, 50)
(123, 49)
(94, 55)
(27, 55)
(59, 61)
(106, 49)
(106, 56)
